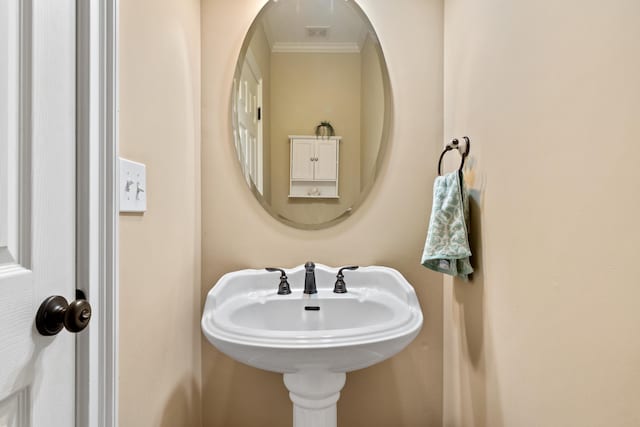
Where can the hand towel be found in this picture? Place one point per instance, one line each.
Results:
(447, 247)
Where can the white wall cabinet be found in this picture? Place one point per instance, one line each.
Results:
(314, 166)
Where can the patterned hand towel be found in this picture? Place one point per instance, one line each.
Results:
(447, 247)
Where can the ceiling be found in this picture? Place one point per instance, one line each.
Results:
(315, 26)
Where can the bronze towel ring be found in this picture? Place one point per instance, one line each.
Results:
(455, 145)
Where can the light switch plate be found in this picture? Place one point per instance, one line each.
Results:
(133, 186)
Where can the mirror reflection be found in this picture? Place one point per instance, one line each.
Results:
(309, 109)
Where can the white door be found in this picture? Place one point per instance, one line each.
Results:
(249, 123)
(302, 159)
(37, 208)
(326, 165)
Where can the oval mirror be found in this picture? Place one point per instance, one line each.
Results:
(310, 109)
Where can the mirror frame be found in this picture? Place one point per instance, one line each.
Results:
(384, 137)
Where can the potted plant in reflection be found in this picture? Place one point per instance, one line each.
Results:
(324, 130)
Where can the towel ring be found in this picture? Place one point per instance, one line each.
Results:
(455, 145)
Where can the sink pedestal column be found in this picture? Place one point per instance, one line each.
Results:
(314, 395)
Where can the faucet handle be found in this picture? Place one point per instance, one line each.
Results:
(341, 287)
(283, 287)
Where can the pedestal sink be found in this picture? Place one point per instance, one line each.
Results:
(312, 339)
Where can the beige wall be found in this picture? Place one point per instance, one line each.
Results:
(547, 333)
(389, 228)
(372, 105)
(309, 88)
(160, 250)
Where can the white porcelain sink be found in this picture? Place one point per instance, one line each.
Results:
(245, 318)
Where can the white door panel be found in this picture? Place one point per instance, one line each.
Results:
(326, 164)
(37, 208)
(9, 15)
(302, 160)
(250, 84)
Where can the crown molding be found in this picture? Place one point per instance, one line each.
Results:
(287, 47)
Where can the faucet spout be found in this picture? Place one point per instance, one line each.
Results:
(310, 278)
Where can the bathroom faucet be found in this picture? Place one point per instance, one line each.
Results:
(283, 287)
(310, 278)
(341, 287)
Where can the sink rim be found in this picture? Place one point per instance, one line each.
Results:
(406, 321)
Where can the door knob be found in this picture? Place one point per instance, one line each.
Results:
(55, 313)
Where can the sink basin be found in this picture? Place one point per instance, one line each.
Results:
(246, 319)
(312, 339)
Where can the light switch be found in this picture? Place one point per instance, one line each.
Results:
(133, 186)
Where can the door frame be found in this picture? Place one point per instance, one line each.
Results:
(97, 210)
